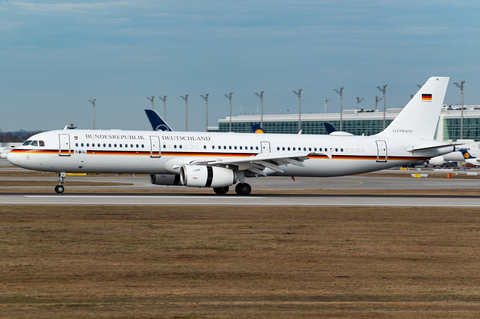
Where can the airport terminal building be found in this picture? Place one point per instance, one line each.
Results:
(367, 122)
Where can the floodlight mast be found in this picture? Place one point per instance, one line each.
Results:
(261, 108)
(229, 97)
(384, 91)
(299, 94)
(460, 86)
(340, 96)
(185, 98)
(377, 99)
(206, 103)
(151, 100)
(164, 100)
(326, 101)
(359, 100)
(93, 105)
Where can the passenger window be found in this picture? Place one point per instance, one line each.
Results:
(131, 146)
(204, 147)
(224, 147)
(98, 144)
(235, 147)
(179, 146)
(137, 145)
(288, 148)
(143, 145)
(283, 148)
(104, 145)
(175, 146)
(294, 148)
(256, 147)
(109, 145)
(88, 144)
(34, 143)
(27, 143)
(120, 145)
(240, 148)
(41, 143)
(164, 146)
(81, 145)
(115, 145)
(76, 144)
(336, 150)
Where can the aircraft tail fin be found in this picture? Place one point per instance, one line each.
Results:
(420, 116)
(466, 154)
(158, 124)
(256, 128)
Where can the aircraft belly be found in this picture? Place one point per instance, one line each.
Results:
(333, 167)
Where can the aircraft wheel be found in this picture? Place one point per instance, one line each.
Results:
(221, 190)
(59, 189)
(243, 189)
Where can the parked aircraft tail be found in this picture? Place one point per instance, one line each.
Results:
(158, 124)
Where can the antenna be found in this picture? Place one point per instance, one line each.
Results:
(261, 102)
(185, 98)
(384, 91)
(151, 100)
(358, 101)
(326, 101)
(299, 94)
(340, 96)
(206, 103)
(93, 105)
(460, 86)
(164, 99)
(229, 97)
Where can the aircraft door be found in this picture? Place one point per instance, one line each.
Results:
(381, 151)
(154, 146)
(265, 147)
(64, 145)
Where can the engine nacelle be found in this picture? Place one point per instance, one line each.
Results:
(436, 161)
(165, 179)
(207, 176)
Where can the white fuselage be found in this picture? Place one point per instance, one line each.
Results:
(102, 151)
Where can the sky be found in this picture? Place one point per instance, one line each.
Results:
(55, 56)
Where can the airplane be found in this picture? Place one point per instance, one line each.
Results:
(220, 160)
(4, 151)
(468, 156)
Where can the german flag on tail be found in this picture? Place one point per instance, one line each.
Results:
(426, 97)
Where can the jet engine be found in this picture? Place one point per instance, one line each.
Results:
(436, 161)
(165, 179)
(207, 176)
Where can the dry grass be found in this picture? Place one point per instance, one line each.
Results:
(238, 262)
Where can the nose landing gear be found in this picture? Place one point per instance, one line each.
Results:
(61, 179)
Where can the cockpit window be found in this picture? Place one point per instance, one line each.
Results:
(34, 143)
(27, 143)
(41, 143)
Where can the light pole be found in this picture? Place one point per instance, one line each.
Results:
(384, 91)
(340, 96)
(185, 98)
(261, 108)
(326, 101)
(164, 100)
(206, 103)
(358, 101)
(377, 99)
(229, 97)
(299, 94)
(151, 99)
(93, 104)
(460, 86)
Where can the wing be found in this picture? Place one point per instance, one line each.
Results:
(257, 163)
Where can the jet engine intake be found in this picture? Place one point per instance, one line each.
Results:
(207, 176)
(165, 179)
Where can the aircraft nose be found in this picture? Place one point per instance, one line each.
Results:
(13, 158)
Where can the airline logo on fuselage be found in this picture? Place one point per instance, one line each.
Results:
(185, 138)
(402, 131)
(114, 137)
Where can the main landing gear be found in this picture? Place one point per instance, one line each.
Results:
(61, 179)
(241, 189)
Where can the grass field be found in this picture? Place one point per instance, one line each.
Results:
(238, 262)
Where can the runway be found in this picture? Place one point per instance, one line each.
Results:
(264, 200)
